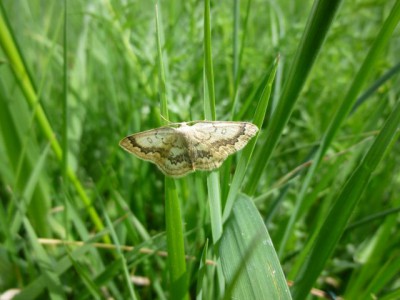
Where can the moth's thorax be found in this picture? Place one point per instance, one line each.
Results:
(185, 129)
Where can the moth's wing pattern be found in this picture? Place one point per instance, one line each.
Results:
(163, 146)
(213, 142)
(179, 151)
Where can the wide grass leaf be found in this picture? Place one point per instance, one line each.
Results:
(249, 261)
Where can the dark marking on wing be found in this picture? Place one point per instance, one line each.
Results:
(147, 150)
(178, 159)
(230, 141)
(203, 154)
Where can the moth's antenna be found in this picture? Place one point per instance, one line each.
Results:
(165, 119)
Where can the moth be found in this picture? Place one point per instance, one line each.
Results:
(181, 148)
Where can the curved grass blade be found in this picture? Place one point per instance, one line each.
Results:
(249, 261)
(258, 120)
(315, 32)
(367, 67)
(336, 221)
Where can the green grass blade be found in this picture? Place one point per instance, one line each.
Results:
(367, 67)
(176, 251)
(202, 272)
(391, 295)
(248, 257)
(64, 144)
(238, 52)
(336, 221)
(361, 283)
(314, 35)
(37, 286)
(126, 275)
(173, 217)
(235, 40)
(213, 178)
(209, 100)
(20, 71)
(258, 120)
(375, 86)
(214, 191)
(91, 287)
(31, 183)
(53, 282)
(388, 273)
(161, 72)
(376, 216)
(22, 152)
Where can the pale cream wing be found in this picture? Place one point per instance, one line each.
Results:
(213, 142)
(164, 146)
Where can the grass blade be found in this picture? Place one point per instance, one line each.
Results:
(342, 113)
(315, 32)
(335, 223)
(258, 120)
(175, 245)
(248, 257)
(213, 178)
(27, 87)
(173, 217)
(121, 256)
(209, 101)
(65, 100)
(367, 67)
(53, 282)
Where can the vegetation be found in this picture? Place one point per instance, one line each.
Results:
(311, 202)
